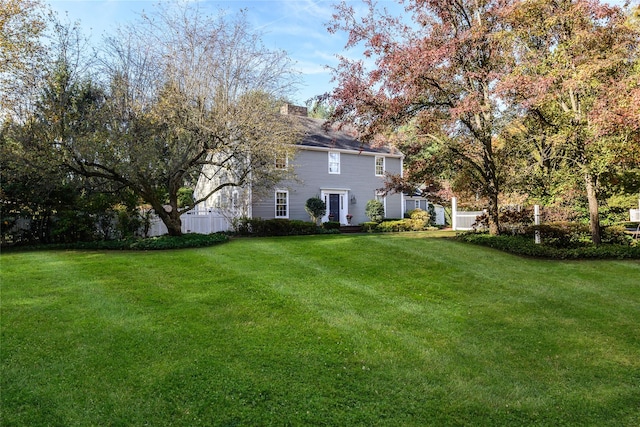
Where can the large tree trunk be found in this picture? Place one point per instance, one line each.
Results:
(174, 226)
(170, 219)
(591, 182)
(494, 215)
(491, 186)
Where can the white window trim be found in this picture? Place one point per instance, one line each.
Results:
(329, 162)
(375, 165)
(286, 163)
(275, 199)
(382, 198)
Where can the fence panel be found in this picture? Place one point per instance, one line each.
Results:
(193, 222)
(465, 220)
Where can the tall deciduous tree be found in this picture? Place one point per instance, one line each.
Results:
(184, 90)
(22, 24)
(576, 71)
(437, 75)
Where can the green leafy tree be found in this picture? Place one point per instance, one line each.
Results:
(184, 90)
(23, 23)
(576, 73)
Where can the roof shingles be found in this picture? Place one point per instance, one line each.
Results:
(318, 135)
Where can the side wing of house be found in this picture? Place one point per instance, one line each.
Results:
(229, 202)
(417, 201)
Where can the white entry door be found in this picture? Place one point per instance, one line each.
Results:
(336, 203)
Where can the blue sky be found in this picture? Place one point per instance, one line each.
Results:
(297, 26)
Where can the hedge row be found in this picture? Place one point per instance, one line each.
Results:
(397, 225)
(281, 227)
(190, 240)
(525, 246)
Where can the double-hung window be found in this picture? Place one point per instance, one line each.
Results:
(281, 161)
(379, 165)
(380, 196)
(282, 204)
(334, 162)
(235, 199)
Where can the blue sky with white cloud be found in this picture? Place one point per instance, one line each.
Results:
(296, 26)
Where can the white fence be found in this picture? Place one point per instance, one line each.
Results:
(465, 220)
(462, 220)
(201, 222)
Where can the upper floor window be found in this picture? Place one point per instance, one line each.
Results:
(281, 161)
(334, 162)
(380, 196)
(235, 199)
(379, 166)
(282, 204)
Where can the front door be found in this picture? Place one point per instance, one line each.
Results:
(334, 207)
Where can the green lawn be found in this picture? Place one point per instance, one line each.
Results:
(337, 330)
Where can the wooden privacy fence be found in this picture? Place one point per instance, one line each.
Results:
(201, 222)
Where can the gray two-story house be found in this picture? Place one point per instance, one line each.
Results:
(330, 164)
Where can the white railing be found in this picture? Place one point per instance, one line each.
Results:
(200, 222)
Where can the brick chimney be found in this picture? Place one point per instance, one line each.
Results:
(293, 110)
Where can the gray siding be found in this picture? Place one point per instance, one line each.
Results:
(357, 180)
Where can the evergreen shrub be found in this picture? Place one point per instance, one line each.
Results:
(331, 225)
(275, 227)
(524, 245)
(374, 210)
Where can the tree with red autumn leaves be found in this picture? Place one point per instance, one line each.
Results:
(437, 77)
(449, 83)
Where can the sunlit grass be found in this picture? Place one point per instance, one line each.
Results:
(400, 329)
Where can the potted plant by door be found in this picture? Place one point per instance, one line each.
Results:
(349, 216)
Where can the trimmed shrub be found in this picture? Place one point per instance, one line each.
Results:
(574, 235)
(275, 227)
(191, 240)
(420, 220)
(561, 234)
(316, 208)
(374, 210)
(369, 227)
(524, 246)
(331, 225)
(397, 225)
(616, 235)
